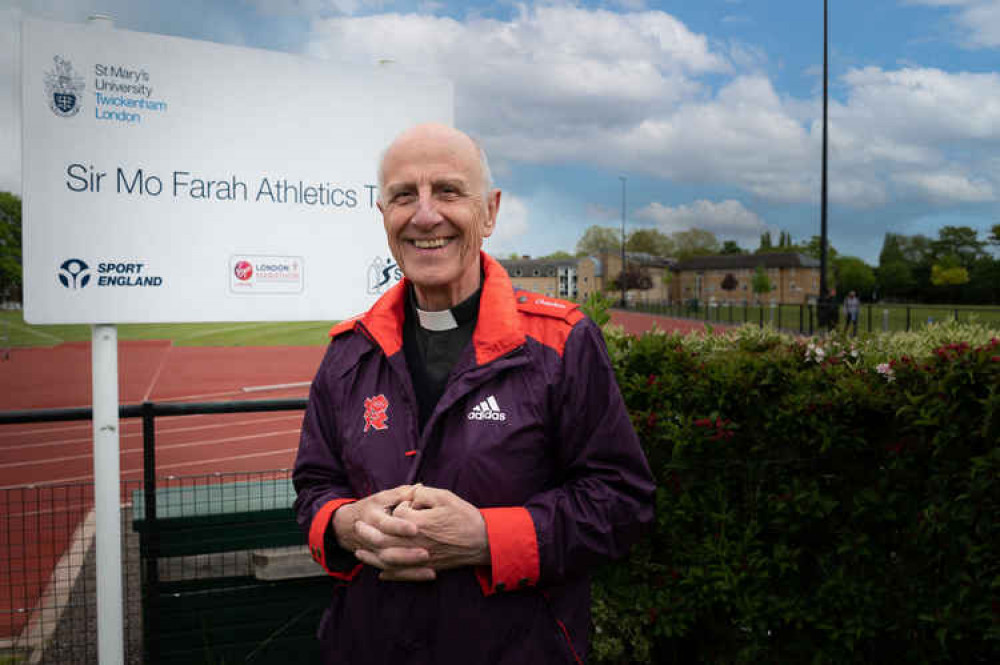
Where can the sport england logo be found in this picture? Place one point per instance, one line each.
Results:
(488, 409)
(382, 274)
(74, 274)
(243, 270)
(63, 88)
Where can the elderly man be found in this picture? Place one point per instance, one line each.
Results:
(466, 458)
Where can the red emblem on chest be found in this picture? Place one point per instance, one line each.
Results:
(375, 415)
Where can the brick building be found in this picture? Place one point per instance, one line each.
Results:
(729, 278)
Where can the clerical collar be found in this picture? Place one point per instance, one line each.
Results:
(448, 319)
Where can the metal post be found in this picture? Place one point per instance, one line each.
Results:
(151, 541)
(622, 178)
(802, 314)
(869, 318)
(823, 306)
(107, 501)
(885, 320)
(907, 318)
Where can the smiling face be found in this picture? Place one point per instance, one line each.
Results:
(437, 211)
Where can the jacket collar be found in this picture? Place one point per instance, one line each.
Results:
(498, 329)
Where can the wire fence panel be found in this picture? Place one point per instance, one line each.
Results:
(48, 576)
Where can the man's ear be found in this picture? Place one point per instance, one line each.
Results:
(492, 208)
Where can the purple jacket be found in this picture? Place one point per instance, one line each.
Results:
(531, 429)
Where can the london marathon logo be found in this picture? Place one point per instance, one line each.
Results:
(243, 270)
(74, 274)
(63, 88)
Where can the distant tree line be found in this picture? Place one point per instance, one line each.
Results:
(956, 267)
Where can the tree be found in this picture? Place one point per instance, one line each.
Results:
(760, 283)
(995, 235)
(949, 271)
(11, 273)
(765, 242)
(895, 278)
(598, 239)
(557, 256)
(813, 249)
(694, 242)
(635, 278)
(730, 247)
(650, 241)
(962, 242)
(853, 274)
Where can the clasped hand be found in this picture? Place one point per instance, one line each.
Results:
(412, 531)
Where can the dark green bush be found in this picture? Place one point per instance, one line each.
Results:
(811, 507)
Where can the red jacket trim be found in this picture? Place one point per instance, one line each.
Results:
(513, 551)
(493, 337)
(317, 531)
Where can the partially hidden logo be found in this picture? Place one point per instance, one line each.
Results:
(63, 88)
(74, 274)
(382, 274)
(375, 412)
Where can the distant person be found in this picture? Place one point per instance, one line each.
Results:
(852, 308)
(466, 458)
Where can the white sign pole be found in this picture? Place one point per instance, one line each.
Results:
(107, 500)
(107, 479)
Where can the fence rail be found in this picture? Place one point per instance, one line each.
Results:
(47, 567)
(802, 318)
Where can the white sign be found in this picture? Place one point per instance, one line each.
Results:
(173, 180)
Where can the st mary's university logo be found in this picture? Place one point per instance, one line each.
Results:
(63, 88)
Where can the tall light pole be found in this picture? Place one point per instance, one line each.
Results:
(825, 310)
(623, 277)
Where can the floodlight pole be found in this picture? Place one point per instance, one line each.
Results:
(107, 478)
(825, 312)
(623, 276)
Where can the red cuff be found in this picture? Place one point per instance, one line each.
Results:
(317, 531)
(513, 550)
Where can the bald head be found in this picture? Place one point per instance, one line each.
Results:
(438, 136)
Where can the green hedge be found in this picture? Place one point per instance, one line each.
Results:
(817, 501)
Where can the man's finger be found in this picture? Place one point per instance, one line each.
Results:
(428, 497)
(393, 526)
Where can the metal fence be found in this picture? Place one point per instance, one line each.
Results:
(802, 318)
(47, 558)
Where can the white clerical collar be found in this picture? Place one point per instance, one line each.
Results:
(437, 321)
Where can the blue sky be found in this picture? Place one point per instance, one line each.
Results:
(710, 109)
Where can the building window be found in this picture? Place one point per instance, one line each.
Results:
(534, 273)
(517, 272)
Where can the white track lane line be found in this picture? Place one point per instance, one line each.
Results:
(161, 467)
(159, 433)
(137, 451)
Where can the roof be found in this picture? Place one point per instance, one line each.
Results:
(545, 267)
(751, 261)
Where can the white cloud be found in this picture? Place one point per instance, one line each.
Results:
(315, 7)
(944, 187)
(979, 20)
(512, 226)
(729, 220)
(631, 92)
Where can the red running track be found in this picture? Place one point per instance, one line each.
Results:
(46, 469)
